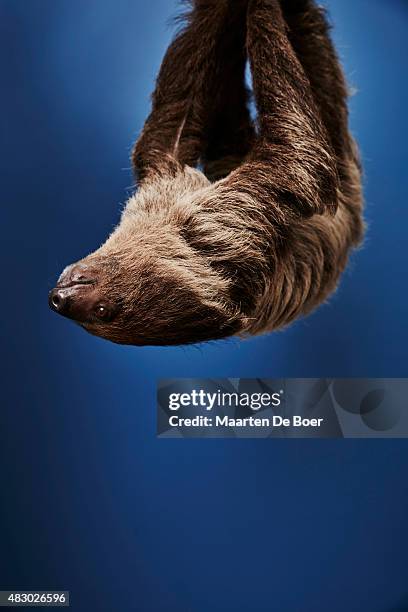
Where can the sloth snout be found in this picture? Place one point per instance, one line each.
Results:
(78, 296)
(77, 302)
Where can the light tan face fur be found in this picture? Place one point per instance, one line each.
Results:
(158, 289)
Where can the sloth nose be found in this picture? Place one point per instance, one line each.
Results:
(58, 301)
(72, 294)
(75, 291)
(78, 296)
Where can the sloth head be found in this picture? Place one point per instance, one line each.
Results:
(147, 284)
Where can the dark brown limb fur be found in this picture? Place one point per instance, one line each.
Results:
(199, 107)
(292, 157)
(308, 33)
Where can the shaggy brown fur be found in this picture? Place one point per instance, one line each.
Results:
(262, 234)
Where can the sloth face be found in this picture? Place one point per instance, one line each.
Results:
(147, 305)
(146, 285)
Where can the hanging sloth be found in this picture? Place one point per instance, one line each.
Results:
(260, 234)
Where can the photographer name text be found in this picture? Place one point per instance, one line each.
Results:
(251, 421)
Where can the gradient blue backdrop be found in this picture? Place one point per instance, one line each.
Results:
(91, 501)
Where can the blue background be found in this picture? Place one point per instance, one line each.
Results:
(91, 500)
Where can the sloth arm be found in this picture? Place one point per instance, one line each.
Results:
(230, 132)
(292, 169)
(199, 106)
(308, 32)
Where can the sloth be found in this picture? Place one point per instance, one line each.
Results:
(238, 225)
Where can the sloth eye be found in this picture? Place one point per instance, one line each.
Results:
(102, 312)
